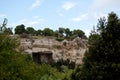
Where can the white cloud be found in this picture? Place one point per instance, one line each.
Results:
(36, 4)
(82, 17)
(105, 4)
(89, 16)
(68, 5)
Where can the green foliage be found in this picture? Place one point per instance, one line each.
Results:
(76, 74)
(17, 66)
(20, 29)
(93, 38)
(39, 32)
(30, 31)
(65, 33)
(47, 72)
(59, 38)
(61, 31)
(7, 43)
(48, 32)
(68, 32)
(60, 63)
(79, 33)
(8, 31)
(102, 60)
(12, 64)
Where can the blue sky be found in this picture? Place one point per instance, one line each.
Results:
(73, 14)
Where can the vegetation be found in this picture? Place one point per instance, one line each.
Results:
(17, 66)
(4, 29)
(60, 34)
(102, 60)
(61, 63)
(30, 30)
(20, 29)
(8, 31)
(59, 38)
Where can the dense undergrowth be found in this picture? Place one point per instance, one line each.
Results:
(17, 66)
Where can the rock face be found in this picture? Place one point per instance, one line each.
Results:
(73, 50)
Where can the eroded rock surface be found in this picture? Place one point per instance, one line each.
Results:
(73, 50)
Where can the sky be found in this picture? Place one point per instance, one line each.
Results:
(72, 14)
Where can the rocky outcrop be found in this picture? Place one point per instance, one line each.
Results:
(73, 50)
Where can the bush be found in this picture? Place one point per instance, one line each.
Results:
(102, 60)
(59, 38)
(17, 66)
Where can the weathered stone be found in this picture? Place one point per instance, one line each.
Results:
(72, 50)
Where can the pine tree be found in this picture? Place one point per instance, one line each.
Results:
(102, 60)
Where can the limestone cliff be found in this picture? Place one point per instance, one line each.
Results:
(73, 50)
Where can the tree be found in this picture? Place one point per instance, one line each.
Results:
(13, 65)
(3, 26)
(48, 32)
(94, 37)
(39, 32)
(17, 66)
(30, 30)
(8, 31)
(102, 60)
(61, 31)
(20, 29)
(56, 33)
(79, 33)
(68, 32)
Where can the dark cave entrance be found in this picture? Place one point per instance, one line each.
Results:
(42, 57)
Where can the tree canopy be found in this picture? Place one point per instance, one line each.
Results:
(20, 29)
(102, 60)
(30, 30)
(60, 33)
(17, 66)
(48, 32)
